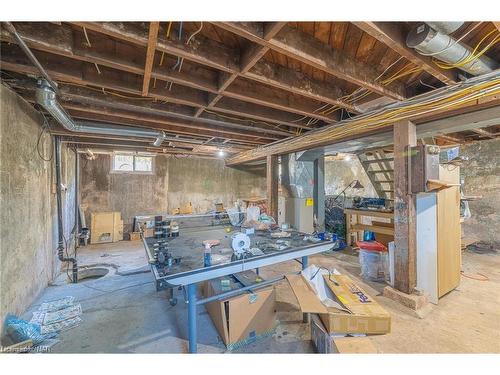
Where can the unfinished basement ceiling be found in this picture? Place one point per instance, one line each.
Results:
(230, 85)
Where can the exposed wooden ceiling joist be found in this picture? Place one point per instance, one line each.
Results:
(248, 58)
(150, 56)
(61, 43)
(218, 56)
(394, 36)
(484, 133)
(304, 47)
(131, 84)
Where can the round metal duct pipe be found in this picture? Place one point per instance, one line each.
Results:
(46, 97)
(446, 28)
(428, 41)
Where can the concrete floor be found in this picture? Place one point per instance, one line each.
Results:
(122, 312)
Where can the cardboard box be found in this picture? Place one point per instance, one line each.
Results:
(242, 319)
(327, 343)
(106, 227)
(134, 236)
(364, 314)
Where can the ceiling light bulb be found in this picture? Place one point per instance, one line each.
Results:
(221, 153)
(347, 158)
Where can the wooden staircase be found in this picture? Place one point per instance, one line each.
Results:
(379, 166)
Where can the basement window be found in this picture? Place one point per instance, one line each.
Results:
(131, 163)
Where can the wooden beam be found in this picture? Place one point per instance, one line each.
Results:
(246, 90)
(278, 118)
(150, 55)
(405, 221)
(272, 186)
(130, 84)
(248, 58)
(206, 52)
(484, 133)
(497, 25)
(128, 145)
(304, 47)
(215, 55)
(82, 98)
(394, 36)
(153, 120)
(296, 82)
(435, 119)
(271, 29)
(64, 45)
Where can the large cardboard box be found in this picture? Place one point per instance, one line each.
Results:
(361, 313)
(106, 227)
(327, 343)
(242, 319)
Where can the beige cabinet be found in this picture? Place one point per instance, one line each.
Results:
(449, 257)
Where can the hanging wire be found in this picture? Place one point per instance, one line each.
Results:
(167, 36)
(474, 55)
(45, 128)
(426, 84)
(86, 37)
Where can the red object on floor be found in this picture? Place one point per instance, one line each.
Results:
(371, 246)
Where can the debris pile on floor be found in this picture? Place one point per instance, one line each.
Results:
(57, 316)
(41, 332)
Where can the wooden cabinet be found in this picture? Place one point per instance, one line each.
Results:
(438, 238)
(448, 239)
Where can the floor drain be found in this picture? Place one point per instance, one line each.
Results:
(92, 273)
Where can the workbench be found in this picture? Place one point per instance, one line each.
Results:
(354, 224)
(189, 272)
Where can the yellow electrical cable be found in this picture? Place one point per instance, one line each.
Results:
(473, 56)
(163, 52)
(455, 100)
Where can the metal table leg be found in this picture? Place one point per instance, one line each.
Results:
(305, 261)
(191, 289)
(306, 317)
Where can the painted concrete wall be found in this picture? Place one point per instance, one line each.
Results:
(28, 230)
(481, 176)
(339, 173)
(175, 182)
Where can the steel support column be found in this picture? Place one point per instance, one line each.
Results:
(191, 291)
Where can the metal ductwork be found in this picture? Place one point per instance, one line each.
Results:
(46, 97)
(432, 39)
(446, 28)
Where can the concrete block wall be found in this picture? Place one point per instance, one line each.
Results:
(175, 182)
(339, 173)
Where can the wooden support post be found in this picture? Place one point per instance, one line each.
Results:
(404, 210)
(272, 186)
